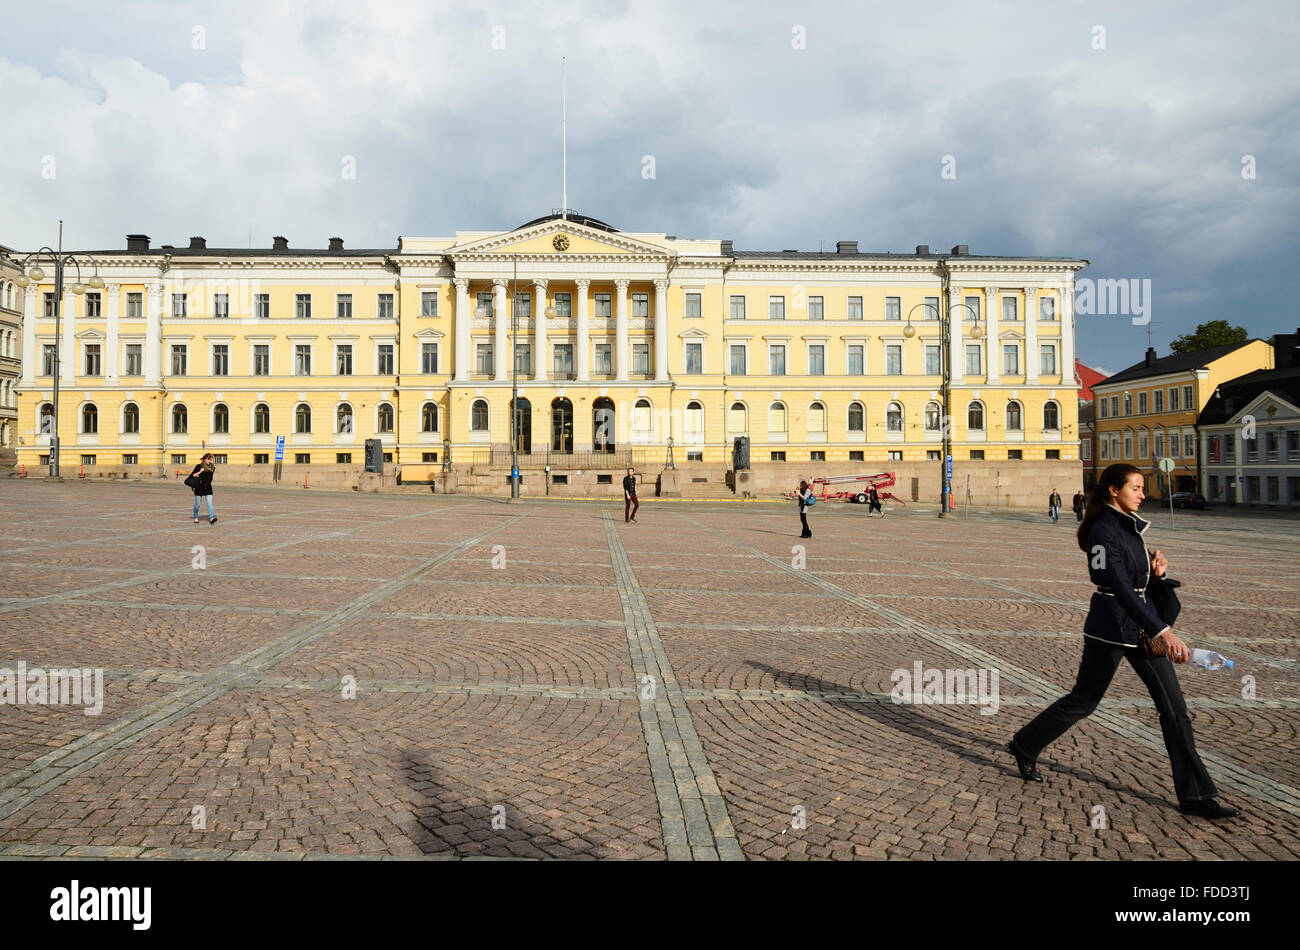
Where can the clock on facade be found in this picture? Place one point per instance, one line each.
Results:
(560, 242)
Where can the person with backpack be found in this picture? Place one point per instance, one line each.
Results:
(1054, 506)
(873, 502)
(200, 481)
(806, 499)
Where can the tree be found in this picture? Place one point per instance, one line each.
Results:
(1207, 335)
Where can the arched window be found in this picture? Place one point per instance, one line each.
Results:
(641, 414)
(933, 417)
(89, 418)
(857, 418)
(478, 416)
(602, 425)
(220, 419)
(302, 418)
(261, 419)
(894, 417)
(737, 418)
(776, 417)
(817, 417)
(180, 418)
(975, 416)
(1051, 416)
(343, 418)
(131, 419)
(429, 417)
(694, 422)
(385, 417)
(1015, 418)
(46, 419)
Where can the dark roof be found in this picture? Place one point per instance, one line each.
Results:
(575, 217)
(1233, 396)
(1177, 363)
(896, 255)
(242, 252)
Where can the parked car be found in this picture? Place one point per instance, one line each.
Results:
(1187, 499)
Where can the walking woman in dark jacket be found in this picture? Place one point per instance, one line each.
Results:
(804, 494)
(203, 473)
(1122, 569)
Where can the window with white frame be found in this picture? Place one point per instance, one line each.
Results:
(602, 362)
(737, 307)
(817, 308)
(261, 359)
(694, 358)
(776, 307)
(1143, 445)
(640, 305)
(94, 363)
(564, 304)
(134, 305)
(854, 309)
(604, 305)
(817, 417)
(641, 359)
(933, 359)
(737, 418)
(429, 417)
(816, 359)
(893, 308)
(343, 359)
(302, 306)
(384, 359)
(1051, 416)
(220, 359)
(893, 359)
(931, 309)
(693, 306)
(776, 417)
(973, 360)
(384, 306)
(972, 310)
(302, 418)
(1142, 404)
(302, 359)
(180, 305)
(1046, 308)
(483, 365)
(429, 303)
(221, 306)
(1015, 417)
(737, 359)
(1158, 398)
(384, 417)
(855, 363)
(180, 359)
(1102, 406)
(262, 306)
(1047, 359)
(894, 417)
(343, 306)
(776, 359)
(857, 417)
(1173, 399)
(133, 362)
(933, 417)
(562, 361)
(975, 416)
(1189, 445)
(1009, 312)
(1188, 401)
(428, 357)
(1010, 359)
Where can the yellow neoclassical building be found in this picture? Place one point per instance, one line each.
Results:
(622, 346)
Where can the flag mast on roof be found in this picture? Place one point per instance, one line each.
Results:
(564, 143)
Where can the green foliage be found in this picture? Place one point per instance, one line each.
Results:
(1207, 335)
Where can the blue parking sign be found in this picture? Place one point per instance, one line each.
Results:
(279, 448)
(949, 468)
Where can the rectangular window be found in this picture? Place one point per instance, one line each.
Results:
(776, 359)
(817, 457)
(776, 308)
(1085, 450)
(221, 306)
(88, 460)
(640, 305)
(302, 359)
(1175, 444)
(1128, 446)
(1160, 445)
(93, 366)
(1114, 407)
(180, 305)
(817, 359)
(1010, 359)
(134, 305)
(1143, 445)
(134, 359)
(816, 308)
(694, 358)
(855, 366)
(1173, 399)
(302, 306)
(1292, 444)
(384, 307)
(695, 456)
(1009, 309)
(737, 307)
(857, 456)
(428, 456)
(48, 299)
(262, 306)
(1188, 401)
(178, 459)
(343, 458)
(221, 359)
(523, 305)
(483, 302)
(1189, 445)
(384, 359)
(933, 360)
(180, 359)
(641, 359)
(896, 455)
(737, 359)
(894, 359)
(1104, 448)
(428, 357)
(604, 364)
(483, 365)
(1047, 359)
(261, 458)
(931, 310)
(693, 306)
(1159, 398)
(302, 458)
(1016, 454)
(562, 361)
(1046, 308)
(131, 459)
(344, 360)
(973, 360)
(972, 312)
(564, 305)
(778, 456)
(343, 306)
(604, 305)
(1102, 406)
(893, 308)
(1142, 404)
(854, 310)
(94, 305)
(429, 303)
(261, 359)
(524, 358)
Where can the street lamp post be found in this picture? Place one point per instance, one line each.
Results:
(31, 270)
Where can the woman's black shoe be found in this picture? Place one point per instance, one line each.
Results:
(1208, 808)
(1026, 765)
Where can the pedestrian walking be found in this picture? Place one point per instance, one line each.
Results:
(200, 481)
(630, 503)
(1123, 624)
(1078, 506)
(1054, 506)
(805, 499)
(873, 502)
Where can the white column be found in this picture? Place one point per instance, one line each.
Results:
(581, 365)
(956, 357)
(661, 331)
(153, 355)
(539, 330)
(68, 351)
(501, 323)
(622, 353)
(1031, 335)
(30, 349)
(110, 333)
(993, 347)
(464, 316)
(1066, 316)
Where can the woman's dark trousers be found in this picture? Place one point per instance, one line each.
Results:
(1100, 661)
(803, 516)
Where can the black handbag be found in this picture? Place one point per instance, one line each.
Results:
(1164, 597)
(191, 482)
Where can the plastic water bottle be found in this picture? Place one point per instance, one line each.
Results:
(1209, 660)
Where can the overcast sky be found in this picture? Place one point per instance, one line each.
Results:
(776, 125)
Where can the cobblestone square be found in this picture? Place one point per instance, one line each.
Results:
(419, 676)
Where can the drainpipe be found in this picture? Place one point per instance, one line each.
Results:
(163, 268)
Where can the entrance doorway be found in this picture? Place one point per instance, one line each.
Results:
(562, 425)
(523, 416)
(602, 418)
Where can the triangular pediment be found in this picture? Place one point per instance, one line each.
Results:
(556, 238)
(1260, 405)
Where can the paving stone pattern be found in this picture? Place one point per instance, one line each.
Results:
(445, 678)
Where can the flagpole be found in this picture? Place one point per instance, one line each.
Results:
(564, 141)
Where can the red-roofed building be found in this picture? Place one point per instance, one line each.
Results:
(1087, 377)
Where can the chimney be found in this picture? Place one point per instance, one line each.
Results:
(137, 242)
(846, 247)
(726, 250)
(961, 250)
(336, 244)
(922, 250)
(790, 250)
(279, 243)
(198, 243)
(1151, 356)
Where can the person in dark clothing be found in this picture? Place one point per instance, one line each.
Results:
(873, 502)
(630, 503)
(804, 494)
(1078, 505)
(203, 473)
(1121, 567)
(1054, 506)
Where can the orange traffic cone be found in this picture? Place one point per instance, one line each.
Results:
(304, 481)
(82, 473)
(24, 474)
